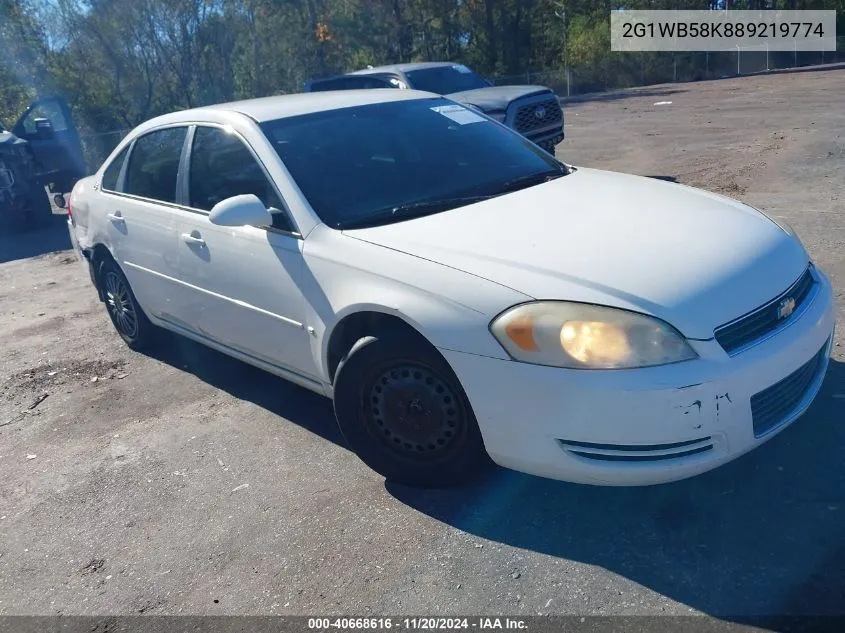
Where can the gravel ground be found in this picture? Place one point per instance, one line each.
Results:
(186, 482)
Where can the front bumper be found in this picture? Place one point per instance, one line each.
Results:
(643, 426)
(71, 229)
(549, 137)
(17, 176)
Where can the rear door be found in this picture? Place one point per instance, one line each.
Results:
(138, 198)
(57, 146)
(243, 284)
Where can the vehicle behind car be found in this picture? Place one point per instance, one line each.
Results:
(41, 151)
(462, 295)
(533, 111)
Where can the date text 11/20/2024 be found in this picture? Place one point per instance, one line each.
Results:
(418, 623)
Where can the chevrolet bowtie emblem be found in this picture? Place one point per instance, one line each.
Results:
(785, 308)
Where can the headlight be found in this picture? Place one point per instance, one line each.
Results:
(499, 116)
(585, 336)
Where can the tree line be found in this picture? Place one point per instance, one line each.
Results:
(120, 62)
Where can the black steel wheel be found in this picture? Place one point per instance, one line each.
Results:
(403, 411)
(413, 410)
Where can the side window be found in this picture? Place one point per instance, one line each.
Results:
(112, 172)
(154, 164)
(223, 167)
(49, 110)
(379, 82)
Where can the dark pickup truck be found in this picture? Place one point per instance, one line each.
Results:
(41, 151)
(533, 111)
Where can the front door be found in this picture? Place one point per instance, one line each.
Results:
(244, 282)
(48, 127)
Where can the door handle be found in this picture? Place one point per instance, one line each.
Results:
(192, 239)
(116, 217)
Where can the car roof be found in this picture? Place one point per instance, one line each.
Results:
(402, 68)
(282, 106)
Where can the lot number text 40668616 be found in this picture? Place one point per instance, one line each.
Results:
(416, 623)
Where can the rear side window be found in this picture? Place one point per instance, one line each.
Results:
(329, 84)
(223, 167)
(352, 83)
(112, 172)
(154, 164)
(377, 82)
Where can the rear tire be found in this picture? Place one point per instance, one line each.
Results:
(403, 411)
(123, 309)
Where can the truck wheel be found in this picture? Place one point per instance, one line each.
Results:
(39, 212)
(403, 411)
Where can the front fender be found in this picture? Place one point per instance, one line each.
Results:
(450, 308)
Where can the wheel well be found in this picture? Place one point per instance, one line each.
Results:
(99, 254)
(354, 327)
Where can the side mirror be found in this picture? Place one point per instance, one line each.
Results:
(44, 129)
(245, 210)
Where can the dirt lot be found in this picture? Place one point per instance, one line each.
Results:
(186, 482)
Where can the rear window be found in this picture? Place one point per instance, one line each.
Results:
(351, 83)
(445, 80)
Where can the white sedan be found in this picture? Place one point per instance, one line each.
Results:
(459, 293)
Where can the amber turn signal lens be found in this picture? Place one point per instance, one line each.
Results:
(521, 332)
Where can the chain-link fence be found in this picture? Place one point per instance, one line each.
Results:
(630, 70)
(97, 147)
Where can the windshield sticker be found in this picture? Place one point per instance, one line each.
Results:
(462, 69)
(459, 114)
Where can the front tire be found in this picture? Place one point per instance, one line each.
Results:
(402, 410)
(123, 309)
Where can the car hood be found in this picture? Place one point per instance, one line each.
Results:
(689, 257)
(496, 97)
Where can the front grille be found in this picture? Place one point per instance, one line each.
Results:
(7, 176)
(764, 320)
(637, 452)
(775, 404)
(527, 118)
(17, 159)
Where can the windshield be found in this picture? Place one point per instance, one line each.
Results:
(355, 164)
(444, 80)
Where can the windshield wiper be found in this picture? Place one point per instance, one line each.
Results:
(412, 210)
(529, 180)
